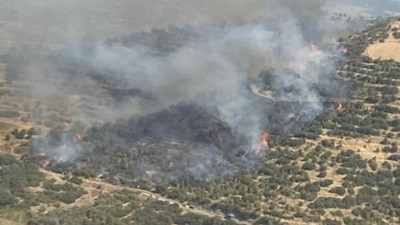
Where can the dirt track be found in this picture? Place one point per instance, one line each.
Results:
(95, 183)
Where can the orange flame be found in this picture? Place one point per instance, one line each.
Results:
(46, 163)
(343, 50)
(265, 139)
(79, 136)
(313, 46)
(340, 107)
(263, 145)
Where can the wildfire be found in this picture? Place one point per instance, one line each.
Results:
(313, 47)
(263, 145)
(79, 136)
(265, 139)
(46, 163)
(340, 107)
(343, 50)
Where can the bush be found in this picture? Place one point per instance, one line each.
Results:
(282, 161)
(322, 174)
(386, 165)
(9, 114)
(342, 171)
(387, 108)
(325, 183)
(308, 166)
(385, 141)
(338, 190)
(7, 159)
(75, 180)
(348, 202)
(6, 198)
(331, 222)
(328, 143)
(372, 165)
(315, 188)
(350, 221)
(394, 158)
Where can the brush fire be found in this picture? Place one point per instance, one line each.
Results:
(190, 86)
(79, 136)
(314, 47)
(340, 107)
(343, 50)
(263, 145)
(46, 163)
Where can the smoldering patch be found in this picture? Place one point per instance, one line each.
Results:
(163, 99)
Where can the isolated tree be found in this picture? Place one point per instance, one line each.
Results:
(6, 197)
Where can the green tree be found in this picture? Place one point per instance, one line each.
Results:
(6, 198)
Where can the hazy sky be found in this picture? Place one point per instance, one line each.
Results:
(371, 7)
(58, 21)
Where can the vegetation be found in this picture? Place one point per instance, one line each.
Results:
(341, 168)
(124, 207)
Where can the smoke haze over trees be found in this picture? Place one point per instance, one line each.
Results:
(207, 63)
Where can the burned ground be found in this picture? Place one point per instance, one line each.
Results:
(182, 141)
(340, 168)
(186, 141)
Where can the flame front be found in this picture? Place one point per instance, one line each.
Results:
(79, 136)
(343, 50)
(46, 163)
(340, 107)
(314, 47)
(265, 139)
(263, 145)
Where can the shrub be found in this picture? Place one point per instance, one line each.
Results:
(372, 165)
(6, 198)
(331, 222)
(282, 161)
(386, 165)
(394, 158)
(342, 171)
(390, 149)
(308, 166)
(338, 190)
(75, 180)
(328, 143)
(325, 183)
(322, 174)
(7, 159)
(311, 187)
(385, 141)
(9, 114)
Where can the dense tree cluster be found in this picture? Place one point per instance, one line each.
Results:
(15, 176)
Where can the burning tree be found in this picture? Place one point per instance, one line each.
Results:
(340, 107)
(263, 145)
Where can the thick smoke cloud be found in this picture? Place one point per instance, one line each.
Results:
(213, 68)
(222, 63)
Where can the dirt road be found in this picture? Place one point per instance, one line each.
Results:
(96, 183)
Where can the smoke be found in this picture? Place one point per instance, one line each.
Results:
(219, 66)
(212, 65)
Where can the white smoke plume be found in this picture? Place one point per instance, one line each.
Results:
(222, 62)
(212, 67)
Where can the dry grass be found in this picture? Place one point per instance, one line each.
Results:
(8, 222)
(389, 49)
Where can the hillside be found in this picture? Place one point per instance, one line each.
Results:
(388, 48)
(341, 168)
